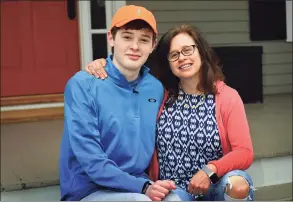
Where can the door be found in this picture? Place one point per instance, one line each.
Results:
(39, 47)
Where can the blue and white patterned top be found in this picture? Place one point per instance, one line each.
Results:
(187, 137)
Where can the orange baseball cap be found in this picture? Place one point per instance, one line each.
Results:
(129, 13)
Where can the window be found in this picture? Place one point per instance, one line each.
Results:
(267, 20)
(95, 19)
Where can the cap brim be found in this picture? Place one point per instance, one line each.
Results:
(124, 22)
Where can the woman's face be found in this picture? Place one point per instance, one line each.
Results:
(186, 66)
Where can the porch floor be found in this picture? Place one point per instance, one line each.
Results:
(51, 193)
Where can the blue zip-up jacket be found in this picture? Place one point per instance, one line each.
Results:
(109, 132)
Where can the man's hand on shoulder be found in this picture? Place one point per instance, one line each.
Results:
(159, 190)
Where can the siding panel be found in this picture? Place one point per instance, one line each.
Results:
(201, 16)
(191, 5)
(277, 58)
(209, 27)
(277, 89)
(226, 38)
(274, 69)
(277, 80)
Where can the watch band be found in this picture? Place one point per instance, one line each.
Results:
(213, 176)
(207, 170)
(145, 187)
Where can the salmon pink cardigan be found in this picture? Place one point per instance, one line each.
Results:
(233, 130)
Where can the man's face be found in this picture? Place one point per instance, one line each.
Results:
(131, 48)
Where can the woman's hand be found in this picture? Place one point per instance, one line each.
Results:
(199, 183)
(97, 68)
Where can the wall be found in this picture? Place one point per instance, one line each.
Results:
(226, 23)
(29, 154)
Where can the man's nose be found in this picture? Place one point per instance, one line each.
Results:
(134, 45)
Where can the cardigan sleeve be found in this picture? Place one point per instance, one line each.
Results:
(153, 169)
(238, 137)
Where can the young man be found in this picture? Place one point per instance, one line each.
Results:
(109, 125)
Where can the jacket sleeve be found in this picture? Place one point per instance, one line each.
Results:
(81, 122)
(236, 125)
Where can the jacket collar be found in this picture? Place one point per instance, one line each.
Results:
(117, 77)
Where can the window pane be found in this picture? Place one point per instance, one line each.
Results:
(98, 14)
(99, 46)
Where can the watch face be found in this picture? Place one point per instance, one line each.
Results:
(214, 178)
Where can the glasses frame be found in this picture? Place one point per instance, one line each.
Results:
(180, 52)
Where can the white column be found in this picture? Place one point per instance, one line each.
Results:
(289, 20)
(84, 16)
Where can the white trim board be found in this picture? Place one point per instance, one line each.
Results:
(84, 20)
(289, 20)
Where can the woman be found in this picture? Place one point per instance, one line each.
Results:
(203, 140)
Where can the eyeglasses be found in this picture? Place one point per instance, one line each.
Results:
(186, 51)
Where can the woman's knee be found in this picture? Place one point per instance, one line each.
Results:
(237, 187)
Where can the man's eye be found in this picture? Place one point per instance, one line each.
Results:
(127, 37)
(145, 40)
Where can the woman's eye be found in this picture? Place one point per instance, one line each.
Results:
(174, 55)
(187, 50)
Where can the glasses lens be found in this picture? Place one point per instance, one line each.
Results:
(173, 56)
(188, 50)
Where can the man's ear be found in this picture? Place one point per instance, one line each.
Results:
(110, 39)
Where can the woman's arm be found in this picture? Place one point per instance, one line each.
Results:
(97, 68)
(238, 134)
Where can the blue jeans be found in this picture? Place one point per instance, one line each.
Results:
(217, 192)
(108, 195)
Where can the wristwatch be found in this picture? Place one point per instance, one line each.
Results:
(145, 187)
(213, 176)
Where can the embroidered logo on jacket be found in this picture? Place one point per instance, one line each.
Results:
(152, 100)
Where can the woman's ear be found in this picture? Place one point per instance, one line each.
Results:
(110, 39)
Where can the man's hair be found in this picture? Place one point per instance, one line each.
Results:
(210, 70)
(133, 25)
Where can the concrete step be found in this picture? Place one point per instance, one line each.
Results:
(52, 193)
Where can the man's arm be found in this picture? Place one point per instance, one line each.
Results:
(81, 122)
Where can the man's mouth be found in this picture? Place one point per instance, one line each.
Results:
(133, 57)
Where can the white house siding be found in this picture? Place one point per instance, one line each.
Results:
(226, 23)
